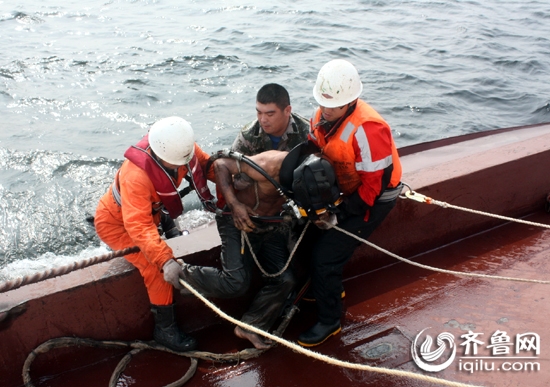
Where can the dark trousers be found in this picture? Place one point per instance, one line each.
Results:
(331, 250)
(270, 246)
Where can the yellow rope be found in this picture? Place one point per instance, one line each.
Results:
(319, 356)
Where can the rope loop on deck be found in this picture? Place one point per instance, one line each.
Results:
(138, 346)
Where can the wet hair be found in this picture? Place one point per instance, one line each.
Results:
(273, 93)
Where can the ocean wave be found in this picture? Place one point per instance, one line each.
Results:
(88, 80)
(47, 200)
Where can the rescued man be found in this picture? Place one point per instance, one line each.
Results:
(276, 127)
(256, 196)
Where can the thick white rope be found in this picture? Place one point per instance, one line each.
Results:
(319, 356)
(425, 199)
(447, 205)
(356, 366)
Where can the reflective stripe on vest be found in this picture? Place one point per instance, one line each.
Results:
(368, 165)
(340, 148)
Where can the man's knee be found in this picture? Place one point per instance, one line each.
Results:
(213, 282)
(235, 286)
(286, 281)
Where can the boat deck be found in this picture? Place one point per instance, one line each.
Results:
(388, 303)
(383, 312)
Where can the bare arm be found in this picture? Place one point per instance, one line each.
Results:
(224, 170)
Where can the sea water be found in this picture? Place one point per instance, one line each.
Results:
(80, 81)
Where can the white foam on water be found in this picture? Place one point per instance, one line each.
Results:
(47, 261)
(188, 221)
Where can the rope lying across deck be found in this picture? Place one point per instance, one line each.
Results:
(137, 347)
(250, 353)
(319, 356)
(425, 199)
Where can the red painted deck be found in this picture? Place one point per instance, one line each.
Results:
(388, 302)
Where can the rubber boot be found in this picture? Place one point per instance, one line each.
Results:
(167, 332)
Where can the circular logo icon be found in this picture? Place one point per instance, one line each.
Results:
(427, 357)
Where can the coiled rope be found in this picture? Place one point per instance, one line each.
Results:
(139, 346)
(57, 271)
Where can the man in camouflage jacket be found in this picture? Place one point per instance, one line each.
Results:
(276, 127)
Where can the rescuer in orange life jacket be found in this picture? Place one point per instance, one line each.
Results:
(359, 144)
(144, 191)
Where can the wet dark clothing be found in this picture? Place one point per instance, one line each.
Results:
(270, 245)
(330, 252)
(269, 241)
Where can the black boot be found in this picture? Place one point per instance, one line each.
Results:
(319, 333)
(167, 332)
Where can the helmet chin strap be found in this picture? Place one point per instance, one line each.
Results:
(172, 172)
(330, 127)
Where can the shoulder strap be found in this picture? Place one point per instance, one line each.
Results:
(163, 183)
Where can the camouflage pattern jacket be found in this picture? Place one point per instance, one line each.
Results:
(252, 139)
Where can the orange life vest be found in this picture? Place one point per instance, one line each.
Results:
(340, 150)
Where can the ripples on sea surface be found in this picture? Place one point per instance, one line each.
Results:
(80, 81)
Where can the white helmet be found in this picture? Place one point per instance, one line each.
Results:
(172, 139)
(337, 84)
